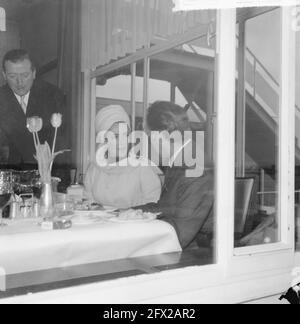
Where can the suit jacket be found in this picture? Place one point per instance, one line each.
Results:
(186, 203)
(44, 100)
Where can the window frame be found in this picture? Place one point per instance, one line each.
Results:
(236, 270)
(286, 152)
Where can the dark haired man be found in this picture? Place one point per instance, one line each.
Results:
(187, 198)
(24, 96)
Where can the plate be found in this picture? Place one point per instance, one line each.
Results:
(97, 209)
(76, 220)
(145, 217)
(90, 216)
(93, 213)
(110, 209)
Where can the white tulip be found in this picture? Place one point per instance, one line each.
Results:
(34, 124)
(56, 120)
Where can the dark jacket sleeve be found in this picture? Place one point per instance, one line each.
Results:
(194, 206)
(4, 149)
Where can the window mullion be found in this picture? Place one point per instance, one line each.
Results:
(225, 137)
(146, 89)
(287, 127)
(133, 95)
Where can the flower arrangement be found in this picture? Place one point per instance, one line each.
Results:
(44, 155)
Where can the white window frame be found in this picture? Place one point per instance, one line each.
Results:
(286, 152)
(257, 272)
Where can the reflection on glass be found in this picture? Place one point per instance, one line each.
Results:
(184, 76)
(115, 88)
(257, 130)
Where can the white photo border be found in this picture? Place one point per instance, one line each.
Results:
(186, 5)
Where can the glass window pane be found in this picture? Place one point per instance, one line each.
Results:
(184, 76)
(139, 96)
(297, 149)
(114, 88)
(257, 130)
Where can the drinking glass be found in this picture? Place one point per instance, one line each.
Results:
(6, 190)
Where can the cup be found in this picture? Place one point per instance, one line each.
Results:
(64, 205)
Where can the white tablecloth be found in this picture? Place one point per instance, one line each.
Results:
(24, 246)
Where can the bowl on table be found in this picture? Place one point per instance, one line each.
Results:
(28, 181)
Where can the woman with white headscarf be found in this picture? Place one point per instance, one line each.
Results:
(113, 180)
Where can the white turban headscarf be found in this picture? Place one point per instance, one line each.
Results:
(107, 117)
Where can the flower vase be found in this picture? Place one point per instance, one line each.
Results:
(47, 202)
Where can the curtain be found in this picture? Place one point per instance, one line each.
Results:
(69, 72)
(112, 29)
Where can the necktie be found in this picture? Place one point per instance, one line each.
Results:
(23, 104)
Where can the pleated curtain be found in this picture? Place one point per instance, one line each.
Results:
(69, 73)
(112, 29)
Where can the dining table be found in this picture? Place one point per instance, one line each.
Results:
(26, 246)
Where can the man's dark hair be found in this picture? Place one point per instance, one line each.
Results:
(17, 55)
(164, 115)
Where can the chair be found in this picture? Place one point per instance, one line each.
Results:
(246, 206)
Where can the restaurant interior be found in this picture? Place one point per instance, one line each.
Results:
(232, 74)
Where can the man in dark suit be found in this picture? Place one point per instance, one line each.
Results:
(187, 199)
(24, 96)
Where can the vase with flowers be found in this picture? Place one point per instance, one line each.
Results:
(45, 157)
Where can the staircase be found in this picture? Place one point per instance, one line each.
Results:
(262, 109)
(262, 121)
